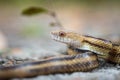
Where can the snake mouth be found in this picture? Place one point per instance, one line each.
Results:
(66, 40)
(60, 39)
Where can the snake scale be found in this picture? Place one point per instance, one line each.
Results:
(93, 48)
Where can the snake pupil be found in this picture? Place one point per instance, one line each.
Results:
(61, 33)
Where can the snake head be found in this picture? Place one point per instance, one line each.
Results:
(69, 38)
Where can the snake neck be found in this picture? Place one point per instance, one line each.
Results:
(97, 45)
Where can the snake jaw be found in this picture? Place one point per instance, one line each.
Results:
(62, 37)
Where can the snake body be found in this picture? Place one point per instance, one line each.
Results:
(74, 61)
(63, 64)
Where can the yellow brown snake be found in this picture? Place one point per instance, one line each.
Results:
(73, 62)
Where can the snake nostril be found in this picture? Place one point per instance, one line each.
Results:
(51, 32)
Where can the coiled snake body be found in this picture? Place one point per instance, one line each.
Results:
(93, 48)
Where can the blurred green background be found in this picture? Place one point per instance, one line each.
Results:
(94, 17)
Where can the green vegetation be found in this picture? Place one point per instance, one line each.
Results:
(34, 10)
(32, 31)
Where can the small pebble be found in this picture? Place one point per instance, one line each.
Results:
(2, 61)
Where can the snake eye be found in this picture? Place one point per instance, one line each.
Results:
(61, 33)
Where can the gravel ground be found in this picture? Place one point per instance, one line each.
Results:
(103, 74)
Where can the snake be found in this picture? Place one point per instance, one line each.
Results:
(82, 56)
